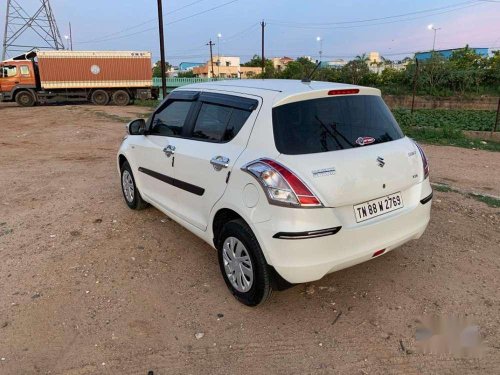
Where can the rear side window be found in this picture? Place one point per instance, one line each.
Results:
(170, 120)
(333, 123)
(217, 123)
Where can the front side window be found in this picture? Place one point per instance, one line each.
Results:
(333, 123)
(9, 71)
(170, 120)
(217, 123)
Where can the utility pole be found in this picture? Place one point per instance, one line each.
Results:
(415, 79)
(162, 51)
(70, 38)
(211, 44)
(263, 25)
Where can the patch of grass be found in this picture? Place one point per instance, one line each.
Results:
(448, 136)
(489, 200)
(147, 103)
(442, 188)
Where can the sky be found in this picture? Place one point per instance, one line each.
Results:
(347, 28)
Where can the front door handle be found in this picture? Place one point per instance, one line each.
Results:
(219, 162)
(169, 150)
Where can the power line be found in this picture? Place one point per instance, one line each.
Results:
(168, 23)
(380, 18)
(299, 26)
(143, 23)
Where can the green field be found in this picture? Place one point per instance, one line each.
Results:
(462, 119)
(444, 126)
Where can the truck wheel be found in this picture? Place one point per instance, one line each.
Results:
(121, 97)
(100, 97)
(25, 99)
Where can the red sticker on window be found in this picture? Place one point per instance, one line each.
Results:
(363, 141)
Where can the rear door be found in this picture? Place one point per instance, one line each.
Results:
(219, 132)
(154, 153)
(349, 149)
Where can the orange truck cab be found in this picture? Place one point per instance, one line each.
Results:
(18, 81)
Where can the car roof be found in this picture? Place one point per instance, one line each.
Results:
(281, 90)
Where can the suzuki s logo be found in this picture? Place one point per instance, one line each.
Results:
(363, 141)
(381, 162)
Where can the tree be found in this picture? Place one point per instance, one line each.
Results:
(157, 69)
(355, 70)
(186, 74)
(256, 61)
(298, 69)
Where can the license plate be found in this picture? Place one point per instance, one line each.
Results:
(376, 207)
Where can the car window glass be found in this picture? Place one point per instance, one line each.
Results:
(238, 119)
(170, 120)
(211, 122)
(9, 71)
(334, 123)
(218, 123)
(25, 71)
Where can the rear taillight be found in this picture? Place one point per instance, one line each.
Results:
(424, 161)
(281, 185)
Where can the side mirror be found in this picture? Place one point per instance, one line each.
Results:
(136, 127)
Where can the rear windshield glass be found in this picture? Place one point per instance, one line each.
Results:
(334, 123)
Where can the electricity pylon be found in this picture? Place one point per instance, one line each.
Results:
(40, 24)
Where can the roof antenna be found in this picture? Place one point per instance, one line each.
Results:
(308, 78)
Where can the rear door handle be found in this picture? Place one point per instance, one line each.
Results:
(219, 162)
(169, 150)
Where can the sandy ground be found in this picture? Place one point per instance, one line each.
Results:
(88, 286)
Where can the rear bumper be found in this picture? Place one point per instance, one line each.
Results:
(308, 259)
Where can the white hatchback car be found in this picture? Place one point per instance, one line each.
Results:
(288, 180)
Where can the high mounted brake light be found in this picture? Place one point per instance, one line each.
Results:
(343, 92)
(282, 186)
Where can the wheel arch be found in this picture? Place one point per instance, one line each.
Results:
(20, 89)
(221, 217)
(224, 215)
(121, 160)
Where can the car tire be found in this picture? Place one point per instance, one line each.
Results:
(25, 99)
(99, 97)
(237, 238)
(129, 189)
(121, 98)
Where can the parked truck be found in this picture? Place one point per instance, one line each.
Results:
(100, 77)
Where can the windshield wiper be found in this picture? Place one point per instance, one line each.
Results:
(326, 130)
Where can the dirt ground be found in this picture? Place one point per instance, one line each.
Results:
(88, 286)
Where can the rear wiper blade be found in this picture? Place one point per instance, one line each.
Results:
(333, 125)
(329, 132)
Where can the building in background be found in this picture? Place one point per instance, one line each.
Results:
(334, 64)
(280, 63)
(446, 53)
(186, 66)
(226, 67)
(375, 62)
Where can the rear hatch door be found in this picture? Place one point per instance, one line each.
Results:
(347, 149)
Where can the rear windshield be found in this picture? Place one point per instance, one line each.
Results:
(333, 123)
